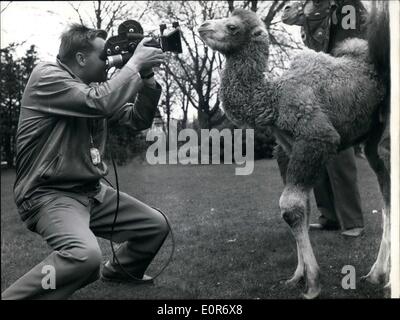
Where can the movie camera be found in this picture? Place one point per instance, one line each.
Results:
(118, 49)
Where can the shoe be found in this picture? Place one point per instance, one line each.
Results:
(320, 226)
(355, 232)
(109, 273)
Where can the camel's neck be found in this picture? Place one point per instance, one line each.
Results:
(250, 62)
(245, 90)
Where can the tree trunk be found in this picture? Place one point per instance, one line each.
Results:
(184, 120)
(204, 119)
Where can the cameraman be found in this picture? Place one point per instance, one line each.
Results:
(61, 135)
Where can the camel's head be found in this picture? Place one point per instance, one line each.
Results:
(231, 34)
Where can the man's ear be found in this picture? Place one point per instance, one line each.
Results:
(258, 33)
(80, 59)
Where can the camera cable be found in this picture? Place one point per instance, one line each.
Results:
(115, 258)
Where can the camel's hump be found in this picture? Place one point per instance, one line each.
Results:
(351, 47)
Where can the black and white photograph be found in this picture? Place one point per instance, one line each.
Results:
(200, 150)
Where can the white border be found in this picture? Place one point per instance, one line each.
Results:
(394, 9)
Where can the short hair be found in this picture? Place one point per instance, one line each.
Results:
(78, 38)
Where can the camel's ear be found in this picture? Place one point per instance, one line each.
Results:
(258, 33)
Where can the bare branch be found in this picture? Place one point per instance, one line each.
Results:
(5, 8)
(76, 9)
(275, 8)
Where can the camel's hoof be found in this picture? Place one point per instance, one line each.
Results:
(312, 293)
(293, 282)
(370, 279)
(374, 278)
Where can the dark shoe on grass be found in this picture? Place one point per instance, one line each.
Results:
(109, 273)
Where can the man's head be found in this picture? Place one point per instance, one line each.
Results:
(81, 49)
(315, 7)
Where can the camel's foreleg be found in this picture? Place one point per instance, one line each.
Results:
(307, 158)
(293, 203)
(283, 161)
(299, 272)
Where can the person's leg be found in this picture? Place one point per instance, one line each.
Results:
(324, 200)
(142, 228)
(342, 172)
(76, 259)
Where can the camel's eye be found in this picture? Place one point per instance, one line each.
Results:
(232, 27)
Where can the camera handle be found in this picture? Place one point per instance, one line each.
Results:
(152, 43)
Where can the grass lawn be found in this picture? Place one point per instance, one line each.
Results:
(231, 242)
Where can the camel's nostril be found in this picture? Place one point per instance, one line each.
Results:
(205, 25)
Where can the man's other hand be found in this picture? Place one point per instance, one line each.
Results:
(146, 58)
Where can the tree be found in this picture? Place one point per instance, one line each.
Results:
(194, 70)
(14, 76)
(5, 5)
(107, 14)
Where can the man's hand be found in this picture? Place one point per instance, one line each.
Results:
(146, 58)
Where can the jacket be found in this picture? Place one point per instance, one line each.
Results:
(321, 22)
(62, 118)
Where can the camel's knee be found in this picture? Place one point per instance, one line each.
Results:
(294, 217)
(293, 204)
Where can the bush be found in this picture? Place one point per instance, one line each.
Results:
(124, 144)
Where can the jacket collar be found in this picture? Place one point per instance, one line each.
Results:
(66, 68)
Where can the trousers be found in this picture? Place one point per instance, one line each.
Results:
(70, 227)
(336, 193)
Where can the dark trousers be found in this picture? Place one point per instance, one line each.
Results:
(337, 194)
(70, 228)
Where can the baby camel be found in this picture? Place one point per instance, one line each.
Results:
(321, 105)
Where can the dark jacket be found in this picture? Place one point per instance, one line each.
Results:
(59, 114)
(322, 23)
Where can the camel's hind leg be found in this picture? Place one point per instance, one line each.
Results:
(377, 150)
(380, 270)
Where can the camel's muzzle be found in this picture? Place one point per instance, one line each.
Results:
(204, 29)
